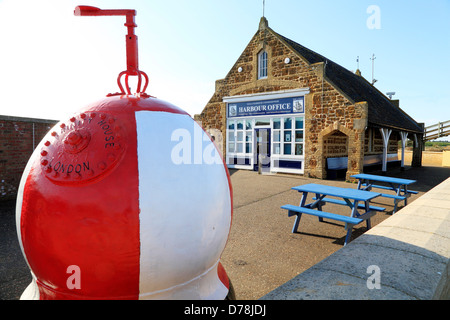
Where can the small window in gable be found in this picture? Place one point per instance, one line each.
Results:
(262, 65)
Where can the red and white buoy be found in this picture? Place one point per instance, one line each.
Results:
(127, 199)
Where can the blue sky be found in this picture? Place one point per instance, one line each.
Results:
(53, 63)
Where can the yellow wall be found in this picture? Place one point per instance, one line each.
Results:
(446, 158)
(429, 158)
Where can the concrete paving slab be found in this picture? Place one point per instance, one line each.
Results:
(338, 284)
(420, 209)
(401, 274)
(433, 202)
(424, 225)
(408, 240)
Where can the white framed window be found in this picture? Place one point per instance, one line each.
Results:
(262, 65)
(288, 137)
(240, 136)
(231, 141)
(276, 134)
(298, 136)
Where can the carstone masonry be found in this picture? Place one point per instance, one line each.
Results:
(343, 112)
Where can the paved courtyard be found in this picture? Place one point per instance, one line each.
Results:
(261, 252)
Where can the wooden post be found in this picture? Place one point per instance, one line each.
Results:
(385, 133)
(404, 136)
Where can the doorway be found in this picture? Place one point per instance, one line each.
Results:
(262, 161)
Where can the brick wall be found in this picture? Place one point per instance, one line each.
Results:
(18, 139)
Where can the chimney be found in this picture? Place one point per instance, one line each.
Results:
(263, 23)
(396, 103)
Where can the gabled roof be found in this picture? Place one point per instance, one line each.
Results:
(382, 113)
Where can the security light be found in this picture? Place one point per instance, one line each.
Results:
(390, 94)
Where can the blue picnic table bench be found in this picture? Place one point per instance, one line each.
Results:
(398, 185)
(354, 199)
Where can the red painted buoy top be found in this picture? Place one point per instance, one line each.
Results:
(128, 198)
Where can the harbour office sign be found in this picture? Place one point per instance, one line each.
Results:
(266, 107)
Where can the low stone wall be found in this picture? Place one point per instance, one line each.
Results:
(429, 158)
(446, 158)
(404, 257)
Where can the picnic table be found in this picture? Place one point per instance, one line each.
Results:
(398, 185)
(354, 199)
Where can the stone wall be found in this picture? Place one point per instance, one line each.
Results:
(375, 146)
(429, 158)
(336, 145)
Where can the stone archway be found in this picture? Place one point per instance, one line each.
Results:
(337, 134)
(334, 142)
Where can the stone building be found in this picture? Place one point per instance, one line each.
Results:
(284, 108)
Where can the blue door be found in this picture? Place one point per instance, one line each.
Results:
(262, 150)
